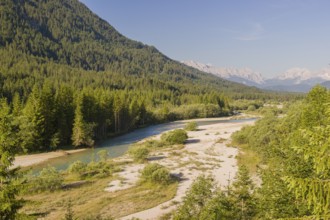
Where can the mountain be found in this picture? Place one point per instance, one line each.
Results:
(297, 80)
(67, 77)
(326, 84)
(293, 80)
(67, 33)
(240, 75)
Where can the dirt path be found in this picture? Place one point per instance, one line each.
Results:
(206, 152)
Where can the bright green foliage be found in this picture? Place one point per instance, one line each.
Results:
(177, 136)
(205, 201)
(311, 143)
(274, 200)
(139, 153)
(219, 207)
(295, 150)
(195, 199)
(64, 117)
(77, 167)
(49, 179)
(191, 126)
(156, 173)
(98, 170)
(82, 134)
(242, 190)
(9, 184)
(251, 108)
(32, 124)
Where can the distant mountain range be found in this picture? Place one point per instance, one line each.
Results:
(293, 80)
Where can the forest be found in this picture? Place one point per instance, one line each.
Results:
(68, 78)
(294, 159)
(290, 157)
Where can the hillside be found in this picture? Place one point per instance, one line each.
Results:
(70, 78)
(244, 76)
(67, 32)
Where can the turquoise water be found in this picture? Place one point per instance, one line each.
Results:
(119, 145)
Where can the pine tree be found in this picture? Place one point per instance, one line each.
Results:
(82, 133)
(32, 123)
(16, 105)
(9, 185)
(47, 106)
(242, 192)
(64, 114)
(311, 144)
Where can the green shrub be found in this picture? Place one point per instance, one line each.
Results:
(77, 167)
(191, 126)
(153, 144)
(139, 153)
(49, 179)
(156, 173)
(196, 198)
(98, 169)
(251, 108)
(177, 136)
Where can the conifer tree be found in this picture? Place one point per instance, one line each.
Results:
(32, 123)
(9, 185)
(82, 133)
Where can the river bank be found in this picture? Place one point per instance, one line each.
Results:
(34, 159)
(43, 158)
(206, 152)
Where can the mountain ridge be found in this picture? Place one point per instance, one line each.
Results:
(68, 33)
(293, 80)
(242, 75)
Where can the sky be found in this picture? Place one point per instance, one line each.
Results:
(268, 36)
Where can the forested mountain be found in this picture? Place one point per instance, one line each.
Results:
(67, 32)
(70, 78)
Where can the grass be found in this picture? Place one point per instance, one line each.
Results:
(248, 158)
(211, 151)
(92, 198)
(166, 216)
(220, 140)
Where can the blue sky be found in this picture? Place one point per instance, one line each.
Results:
(269, 36)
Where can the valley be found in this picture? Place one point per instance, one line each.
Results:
(207, 151)
(97, 126)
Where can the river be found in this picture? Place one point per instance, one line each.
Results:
(119, 145)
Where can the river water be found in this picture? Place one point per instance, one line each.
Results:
(119, 145)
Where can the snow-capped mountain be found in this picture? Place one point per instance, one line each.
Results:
(297, 80)
(300, 75)
(293, 80)
(240, 75)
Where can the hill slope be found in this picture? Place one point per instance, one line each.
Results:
(71, 78)
(68, 33)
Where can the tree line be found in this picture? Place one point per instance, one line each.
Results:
(294, 152)
(52, 117)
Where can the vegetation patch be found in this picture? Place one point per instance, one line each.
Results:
(177, 136)
(156, 173)
(191, 126)
(139, 153)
